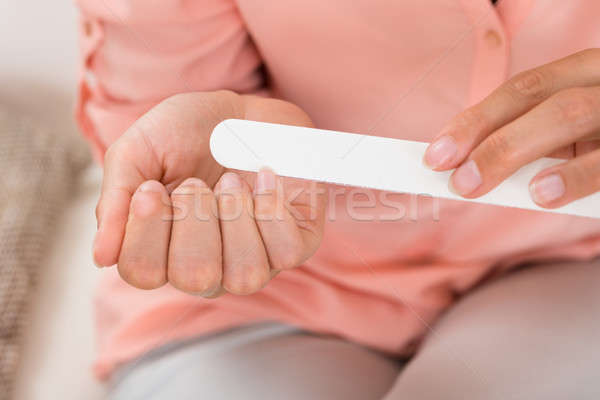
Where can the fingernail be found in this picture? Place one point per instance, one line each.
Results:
(189, 187)
(440, 152)
(466, 178)
(150, 186)
(265, 181)
(229, 181)
(547, 189)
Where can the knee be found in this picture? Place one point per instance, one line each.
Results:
(510, 338)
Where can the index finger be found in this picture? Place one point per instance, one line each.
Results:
(514, 98)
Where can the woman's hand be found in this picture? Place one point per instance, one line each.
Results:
(169, 213)
(551, 110)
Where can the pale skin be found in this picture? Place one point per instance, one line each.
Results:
(162, 165)
(553, 110)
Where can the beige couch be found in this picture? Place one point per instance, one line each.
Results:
(59, 343)
(37, 74)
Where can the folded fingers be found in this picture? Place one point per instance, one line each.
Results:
(143, 257)
(207, 242)
(286, 244)
(195, 262)
(245, 263)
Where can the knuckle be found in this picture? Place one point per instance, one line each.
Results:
(247, 283)
(141, 274)
(498, 147)
(194, 278)
(576, 106)
(472, 119)
(535, 84)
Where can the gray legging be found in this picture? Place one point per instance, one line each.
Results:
(532, 335)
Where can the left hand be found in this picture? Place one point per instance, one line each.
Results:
(553, 110)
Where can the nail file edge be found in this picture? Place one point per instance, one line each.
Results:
(373, 162)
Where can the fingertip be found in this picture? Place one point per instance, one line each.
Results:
(246, 281)
(202, 280)
(229, 182)
(101, 261)
(441, 154)
(138, 275)
(151, 186)
(466, 180)
(96, 258)
(547, 190)
(115, 205)
(150, 198)
(102, 254)
(192, 183)
(266, 181)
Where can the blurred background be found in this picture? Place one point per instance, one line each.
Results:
(48, 190)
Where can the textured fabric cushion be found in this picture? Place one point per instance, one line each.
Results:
(38, 168)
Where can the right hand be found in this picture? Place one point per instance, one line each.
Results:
(169, 213)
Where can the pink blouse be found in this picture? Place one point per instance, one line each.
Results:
(388, 68)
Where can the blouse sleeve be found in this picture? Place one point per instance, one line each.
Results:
(135, 53)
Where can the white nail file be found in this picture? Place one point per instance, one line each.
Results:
(365, 161)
